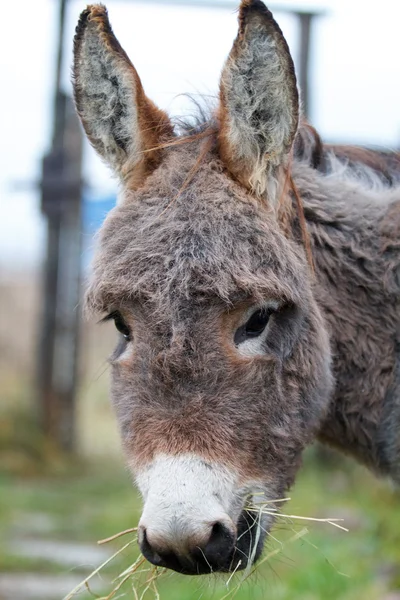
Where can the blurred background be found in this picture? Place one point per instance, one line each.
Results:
(62, 481)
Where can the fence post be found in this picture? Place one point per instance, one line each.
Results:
(61, 188)
(61, 204)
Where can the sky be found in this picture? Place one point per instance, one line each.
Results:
(355, 84)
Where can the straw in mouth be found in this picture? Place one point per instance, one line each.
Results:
(142, 578)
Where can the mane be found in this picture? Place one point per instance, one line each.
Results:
(373, 167)
(199, 120)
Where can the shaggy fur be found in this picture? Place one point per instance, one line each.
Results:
(259, 107)
(184, 257)
(119, 120)
(229, 251)
(356, 248)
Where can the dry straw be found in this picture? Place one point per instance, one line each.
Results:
(142, 578)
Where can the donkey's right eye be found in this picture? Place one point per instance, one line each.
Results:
(121, 326)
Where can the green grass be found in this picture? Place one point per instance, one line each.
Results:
(325, 564)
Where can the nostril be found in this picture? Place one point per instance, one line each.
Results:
(146, 549)
(217, 530)
(209, 549)
(220, 543)
(166, 559)
(141, 534)
(221, 532)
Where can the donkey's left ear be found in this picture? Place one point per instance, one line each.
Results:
(259, 103)
(122, 124)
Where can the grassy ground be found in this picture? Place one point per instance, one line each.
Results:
(324, 564)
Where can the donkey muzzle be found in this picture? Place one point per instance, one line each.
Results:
(205, 550)
(193, 519)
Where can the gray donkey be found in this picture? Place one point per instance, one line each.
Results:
(253, 273)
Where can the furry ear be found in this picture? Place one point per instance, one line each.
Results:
(259, 104)
(122, 124)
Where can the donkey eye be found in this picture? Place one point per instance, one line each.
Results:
(257, 323)
(254, 326)
(121, 326)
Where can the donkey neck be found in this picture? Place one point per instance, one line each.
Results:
(354, 235)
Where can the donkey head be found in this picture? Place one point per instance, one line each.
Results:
(221, 375)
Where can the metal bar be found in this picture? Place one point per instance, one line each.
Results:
(228, 4)
(58, 110)
(305, 21)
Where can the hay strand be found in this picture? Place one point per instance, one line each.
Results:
(140, 567)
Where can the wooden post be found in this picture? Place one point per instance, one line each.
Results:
(61, 203)
(61, 188)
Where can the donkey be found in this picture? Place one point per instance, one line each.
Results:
(253, 273)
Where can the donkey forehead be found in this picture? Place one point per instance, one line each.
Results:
(206, 239)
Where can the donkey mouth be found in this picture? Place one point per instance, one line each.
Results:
(249, 542)
(245, 551)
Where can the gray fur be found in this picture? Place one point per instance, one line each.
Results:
(122, 124)
(229, 249)
(105, 89)
(354, 227)
(259, 94)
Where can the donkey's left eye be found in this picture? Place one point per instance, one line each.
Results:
(257, 323)
(254, 327)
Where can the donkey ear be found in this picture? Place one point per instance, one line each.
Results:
(259, 104)
(122, 124)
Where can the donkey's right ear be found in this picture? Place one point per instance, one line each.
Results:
(122, 124)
